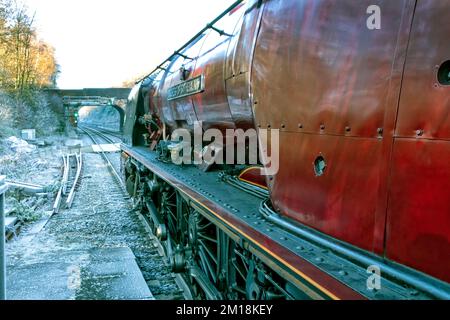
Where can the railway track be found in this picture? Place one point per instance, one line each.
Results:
(72, 169)
(107, 135)
(108, 132)
(96, 136)
(99, 137)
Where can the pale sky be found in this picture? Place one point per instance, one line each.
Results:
(101, 43)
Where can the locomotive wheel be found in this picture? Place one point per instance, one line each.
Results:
(175, 212)
(204, 243)
(130, 184)
(248, 281)
(136, 190)
(169, 211)
(238, 272)
(254, 283)
(211, 263)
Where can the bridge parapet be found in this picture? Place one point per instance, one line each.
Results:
(88, 101)
(118, 93)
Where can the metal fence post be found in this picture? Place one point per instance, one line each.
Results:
(3, 188)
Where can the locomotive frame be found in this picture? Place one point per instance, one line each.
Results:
(303, 264)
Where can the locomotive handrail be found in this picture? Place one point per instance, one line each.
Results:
(179, 51)
(391, 270)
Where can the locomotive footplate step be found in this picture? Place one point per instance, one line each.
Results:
(95, 274)
(301, 257)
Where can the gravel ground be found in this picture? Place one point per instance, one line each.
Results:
(41, 166)
(100, 218)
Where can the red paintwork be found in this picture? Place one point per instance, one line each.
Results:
(424, 103)
(419, 209)
(330, 203)
(179, 112)
(238, 65)
(211, 107)
(322, 70)
(253, 176)
(418, 230)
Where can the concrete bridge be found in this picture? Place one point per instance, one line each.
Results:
(75, 99)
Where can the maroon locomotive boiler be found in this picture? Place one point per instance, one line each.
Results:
(359, 208)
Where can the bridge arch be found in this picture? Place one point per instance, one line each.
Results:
(74, 104)
(88, 114)
(74, 100)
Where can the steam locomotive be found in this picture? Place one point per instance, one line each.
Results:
(359, 93)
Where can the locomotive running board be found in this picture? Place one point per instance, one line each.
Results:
(316, 270)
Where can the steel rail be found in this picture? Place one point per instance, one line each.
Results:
(145, 220)
(102, 134)
(91, 134)
(115, 134)
(179, 52)
(71, 197)
(57, 203)
(65, 180)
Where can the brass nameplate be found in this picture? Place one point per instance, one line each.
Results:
(187, 88)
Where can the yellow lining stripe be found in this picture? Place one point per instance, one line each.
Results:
(248, 169)
(298, 272)
(250, 182)
(311, 281)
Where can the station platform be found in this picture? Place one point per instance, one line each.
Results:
(94, 274)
